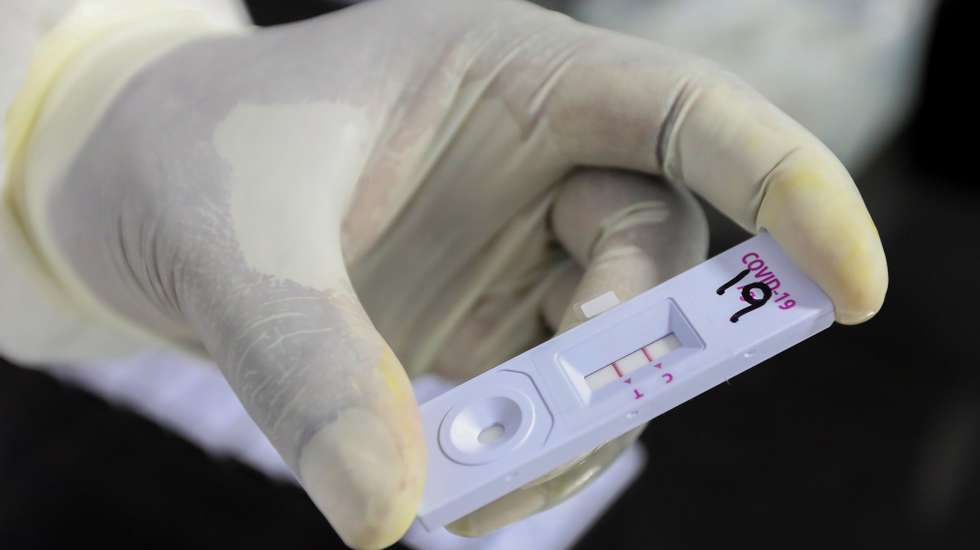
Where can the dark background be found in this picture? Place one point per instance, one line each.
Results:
(863, 436)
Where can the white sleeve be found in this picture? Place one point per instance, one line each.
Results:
(40, 323)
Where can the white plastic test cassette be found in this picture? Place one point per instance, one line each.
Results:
(569, 395)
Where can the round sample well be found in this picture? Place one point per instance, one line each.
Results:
(480, 432)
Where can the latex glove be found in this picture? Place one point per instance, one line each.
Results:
(404, 172)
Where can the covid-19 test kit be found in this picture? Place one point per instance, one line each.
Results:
(626, 365)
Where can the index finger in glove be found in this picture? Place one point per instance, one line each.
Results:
(624, 102)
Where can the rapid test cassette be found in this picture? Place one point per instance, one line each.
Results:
(622, 368)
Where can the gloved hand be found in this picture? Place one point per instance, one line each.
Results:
(405, 176)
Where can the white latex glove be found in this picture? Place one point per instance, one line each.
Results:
(403, 174)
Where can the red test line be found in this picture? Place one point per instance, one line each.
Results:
(616, 368)
(646, 354)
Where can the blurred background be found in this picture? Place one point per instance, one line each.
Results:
(862, 436)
